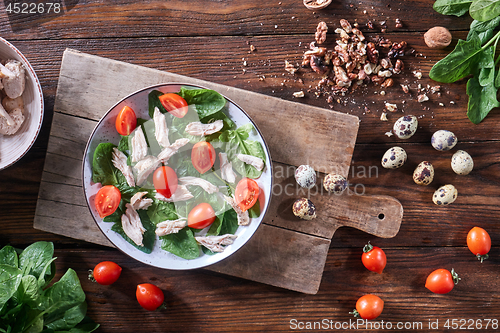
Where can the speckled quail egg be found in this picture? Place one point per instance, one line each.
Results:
(424, 173)
(335, 183)
(445, 195)
(462, 163)
(305, 176)
(405, 127)
(443, 140)
(304, 208)
(394, 158)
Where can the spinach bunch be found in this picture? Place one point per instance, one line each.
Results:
(27, 305)
(475, 56)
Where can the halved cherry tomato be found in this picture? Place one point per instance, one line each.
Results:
(479, 243)
(106, 272)
(441, 281)
(165, 181)
(107, 200)
(373, 258)
(203, 156)
(174, 104)
(369, 307)
(149, 296)
(201, 216)
(246, 193)
(126, 121)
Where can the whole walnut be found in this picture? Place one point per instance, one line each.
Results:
(437, 38)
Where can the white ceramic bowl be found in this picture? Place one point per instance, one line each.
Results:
(105, 132)
(13, 147)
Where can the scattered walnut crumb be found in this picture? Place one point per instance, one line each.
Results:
(289, 67)
(398, 22)
(435, 89)
(417, 74)
(391, 107)
(298, 94)
(382, 93)
(422, 98)
(383, 117)
(441, 104)
(405, 88)
(252, 48)
(389, 134)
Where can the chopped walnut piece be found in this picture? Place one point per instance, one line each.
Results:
(298, 94)
(422, 98)
(405, 88)
(289, 67)
(435, 89)
(346, 26)
(398, 22)
(383, 116)
(389, 134)
(372, 52)
(417, 74)
(321, 31)
(387, 83)
(391, 107)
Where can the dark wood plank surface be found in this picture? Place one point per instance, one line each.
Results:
(208, 40)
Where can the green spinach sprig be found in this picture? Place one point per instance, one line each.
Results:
(27, 304)
(475, 56)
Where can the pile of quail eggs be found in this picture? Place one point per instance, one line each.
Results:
(442, 140)
(305, 176)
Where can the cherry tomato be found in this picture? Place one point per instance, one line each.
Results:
(246, 193)
(441, 281)
(174, 104)
(369, 307)
(479, 243)
(203, 156)
(107, 200)
(373, 258)
(126, 121)
(165, 181)
(201, 216)
(149, 296)
(106, 272)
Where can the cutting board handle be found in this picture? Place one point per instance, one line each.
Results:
(378, 215)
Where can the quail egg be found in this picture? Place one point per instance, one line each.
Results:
(394, 158)
(445, 195)
(305, 176)
(424, 173)
(304, 208)
(443, 140)
(405, 127)
(335, 183)
(462, 163)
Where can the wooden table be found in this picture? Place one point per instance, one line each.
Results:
(211, 40)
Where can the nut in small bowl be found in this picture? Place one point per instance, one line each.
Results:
(29, 106)
(316, 4)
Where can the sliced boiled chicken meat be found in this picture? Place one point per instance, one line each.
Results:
(226, 169)
(139, 148)
(181, 194)
(132, 225)
(204, 184)
(139, 202)
(169, 151)
(170, 227)
(197, 128)
(243, 217)
(216, 243)
(119, 160)
(256, 162)
(161, 129)
(145, 167)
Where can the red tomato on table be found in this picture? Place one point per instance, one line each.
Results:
(149, 296)
(201, 216)
(373, 258)
(203, 156)
(479, 243)
(246, 193)
(107, 200)
(106, 272)
(174, 104)
(369, 307)
(441, 281)
(126, 121)
(165, 181)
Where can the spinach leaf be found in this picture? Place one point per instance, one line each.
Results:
(149, 236)
(103, 170)
(459, 63)
(452, 7)
(154, 102)
(181, 244)
(484, 10)
(28, 291)
(8, 256)
(479, 26)
(497, 80)
(33, 260)
(87, 325)
(161, 211)
(226, 223)
(10, 279)
(481, 99)
(487, 67)
(237, 143)
(207, 101)
(66, 320)
(123, 144)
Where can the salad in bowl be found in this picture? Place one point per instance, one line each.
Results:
(177, 176)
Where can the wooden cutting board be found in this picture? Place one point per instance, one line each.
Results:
(285, 251)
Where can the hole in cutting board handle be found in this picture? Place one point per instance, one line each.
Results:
(381, 216)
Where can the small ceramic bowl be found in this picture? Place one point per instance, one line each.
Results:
(13, 147)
